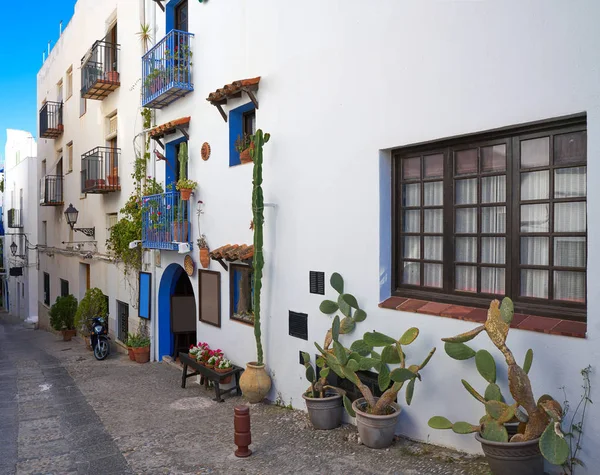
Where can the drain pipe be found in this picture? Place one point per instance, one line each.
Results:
(153, 161)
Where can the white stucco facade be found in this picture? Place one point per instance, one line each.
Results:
(20, 171)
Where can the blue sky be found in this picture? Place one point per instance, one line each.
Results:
(29, 26)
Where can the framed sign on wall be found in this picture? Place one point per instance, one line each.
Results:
(209, 297)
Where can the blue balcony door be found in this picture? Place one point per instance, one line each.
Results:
(177, 15)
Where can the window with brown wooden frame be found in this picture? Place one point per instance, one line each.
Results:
(501, 213)
(241, 293)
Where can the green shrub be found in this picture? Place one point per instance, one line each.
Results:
(92, 305)
(62, 313)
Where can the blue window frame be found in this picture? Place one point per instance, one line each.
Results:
(236, 129)
(172, 167)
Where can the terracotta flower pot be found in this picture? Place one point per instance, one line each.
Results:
(205, 257)
(245, 156)
(226, 380)
(67, 334)
(185, 193)
(130, 353)
(255, 382)
(180, 231)
(142, 355)
(112, 76)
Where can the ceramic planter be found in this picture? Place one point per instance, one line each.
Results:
(325, 413)
(142, 355)
(185, 193)
(245, 156)
(180, 231)
(130, 353)
(375, 431)
(255, 382)
(514, 458)
(112, 76)
(67, 334)
(205, 257)
(227, 379)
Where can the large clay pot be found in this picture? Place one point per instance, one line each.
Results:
(142, 355)
(375, 431)
(255, 382)
(204, 257)
(67, 334)
(514, 458)
(130, 353)
(325, 413)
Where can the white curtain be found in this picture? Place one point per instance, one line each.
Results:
(466, 191)
(434, 221)
(569, 286)
(433, 193)
(412, 194)
(466, 278)
(535, 185)
(433, 248)
(570, 182)
(466, 249)
(466, 220)
(493, 280)
(411, 273)
(534, 251)
(570, 217)
(493, 219)
(412, 247)
(534, 283)
(412, 221)
(493, 189)
(493, 250)
(433, 275)
(535, 218)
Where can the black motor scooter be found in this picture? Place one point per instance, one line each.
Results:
(99, 338)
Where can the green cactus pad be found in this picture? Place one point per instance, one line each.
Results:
(507, 310)
(493, 393)
(328, 307)
(340, 352)
(335, 328)
(359, 315)
(410, 390)
(352, 365)
(400, 375)
(334, 364)
(528, 360)
(375, 355)
(499, 411)
(486, 365)
(320, 361)
(390, 355)
(350, 300)
(467, 336)
(427, 358)
(347, 325)
(472, 391)
(310, 373)
(375, 339)
(305, 358)
(494, 431)
(554, 447)
(360, 347)
(439, 422)
(348, 406)
(344, 307)
(464, 428)
(337, 282)
(365, 364)
(324, 373)
(409, 336)
(383, 378)
(458, 351)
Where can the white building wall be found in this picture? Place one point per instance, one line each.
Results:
(339, 87)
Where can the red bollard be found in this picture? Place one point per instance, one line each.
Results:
(241, 425)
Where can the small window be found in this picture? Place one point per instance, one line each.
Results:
(59, 91)
(111, 220)
(46, 288)
(82, 106)
(64, 287)
(241, 293)
(69, 157)
(45, 233)
(242, 124)
(249, 122)
(69, 82)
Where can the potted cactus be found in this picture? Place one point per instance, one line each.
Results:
(538, 434)
(184, 185)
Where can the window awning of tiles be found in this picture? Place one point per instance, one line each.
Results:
(233, 252)
(233, 91)
(160, 131)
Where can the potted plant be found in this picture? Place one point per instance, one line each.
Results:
(184, 185)
(62, 316)
(92, 305)
(243, 145)
(539, 433)
(141, 348)
(193, 352)
(213, 358)
(113, 178)
(204, 252)
(255, 382)
(323, 401)
(224, 366)
(131, 338)
(180, 224)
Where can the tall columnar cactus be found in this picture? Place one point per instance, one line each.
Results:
(183, 160)
(542, 418)
(258, 139)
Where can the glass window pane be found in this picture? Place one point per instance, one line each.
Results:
(434, 166)
(466, 249)
(493, 280)
(433, 248)
(411, 168)
(570, 217)
(493, 250)
(569, 286)
(493, 189)
(466, 161)
(411, 195)
(569, 252)
(466, 191)
(535, 185)
(534, 251)
(433, 193)
(466, 278)
(534, 283)
(412, 221)
(535, 218)
(433, 275)
(412, 247)
(411, 274)
(493, 158)
(570, 148)
(535, 152)
(466, 220)
(570, 182)
(493, 219)
(434, 221)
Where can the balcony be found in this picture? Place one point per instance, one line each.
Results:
(15, 218)
(51, 190)
(165, 221)
(100, 170)
(51, 122)
(99, 70)
(167, 70)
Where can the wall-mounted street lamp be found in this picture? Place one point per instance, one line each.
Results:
(71, 214)
(13, 249)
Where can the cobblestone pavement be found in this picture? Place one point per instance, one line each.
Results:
(62, 412)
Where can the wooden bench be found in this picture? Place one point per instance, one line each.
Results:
(208, 374)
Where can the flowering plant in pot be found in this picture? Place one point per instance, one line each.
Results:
(62, 316)
(539, 434)
(243, 145)
(323, 401)
(213, 357)
(131, 337)
(193, 352)
(223, 365)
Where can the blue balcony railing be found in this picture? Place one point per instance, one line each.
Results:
(165, 221)
(167, 70)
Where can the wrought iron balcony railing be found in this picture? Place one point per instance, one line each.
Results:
(167, 70)
(165, 221)
(99, 70)
(51, 122)
(15, 218)
(100, 170)
(51, 190)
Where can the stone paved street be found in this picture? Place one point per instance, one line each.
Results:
(63, 412)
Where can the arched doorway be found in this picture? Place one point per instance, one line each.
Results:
(176, 309)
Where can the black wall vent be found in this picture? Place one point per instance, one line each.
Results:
(299, 325)
(18, 271)
(317, 282)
